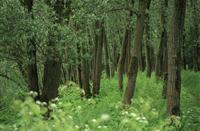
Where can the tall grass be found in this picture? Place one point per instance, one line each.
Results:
(106, 113)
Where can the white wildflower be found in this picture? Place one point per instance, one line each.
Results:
(32, 93)
(56, 99)
(99, 127)
(94, 120)
(138, 118)
(125, 121)
(146, 122)
(143, 118)
(79, 107)
(44, 103)
(76, 126)
(38, 102)
(30, 113)
(125, 113)
(105, 117)
(153, 109)
(60, 103)
(70, 117)
(133, 115)
(53, 105)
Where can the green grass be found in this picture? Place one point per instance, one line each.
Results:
(106, 113)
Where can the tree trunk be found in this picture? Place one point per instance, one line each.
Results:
(141, 59)
(121, 62)
(114, 59)
(174, 58)
(195, 34)
(85, 76)
(51, 81)
(53, 63)
(124, 49)
(133, 66)
(32, 72)
(98, 59)
(160, 59)
(106, 49)
(128, 50)
(148, 43)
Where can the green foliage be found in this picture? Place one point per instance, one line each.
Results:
(106, 113)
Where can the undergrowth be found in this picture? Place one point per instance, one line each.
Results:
(70, 112)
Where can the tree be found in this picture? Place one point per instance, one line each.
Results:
(99, 36)
(174, 58)
(124, 50)
(133, 65)
(149, 47)
(32, 71)
(53, 63)
(162, 51)
(106, 52)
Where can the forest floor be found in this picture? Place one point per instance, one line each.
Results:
(106, 113)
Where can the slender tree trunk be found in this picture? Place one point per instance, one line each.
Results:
(160, 59)
(174, 58)
(98, 59)
(148, 43)
(32, 72)
(79, 66)
(141, 59)
(114, 59)
(106, 49)
(85, 76)
(184, 62)
(121, 62)
(195, 34)
(128, 51)
(64, 75)
(124, 49)
(133, 66)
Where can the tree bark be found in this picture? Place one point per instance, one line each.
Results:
(32, 71)
(106, 50)
(53, 63)
(162, 51)
(133, 66)
(148, 45)
(85, 76)
(122, 58)
(114, 59)
(124, 53)
(174, 58)
(195, 34)
(98, 59)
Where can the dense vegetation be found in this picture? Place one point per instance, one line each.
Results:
(99, 65)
